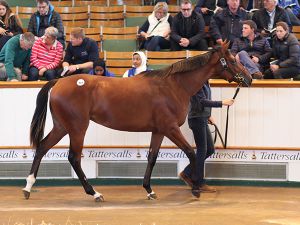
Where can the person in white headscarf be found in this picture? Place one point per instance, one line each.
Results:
(139, 64)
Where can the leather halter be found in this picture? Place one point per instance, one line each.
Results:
(238, 77)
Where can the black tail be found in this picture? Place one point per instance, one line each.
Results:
(39, 118)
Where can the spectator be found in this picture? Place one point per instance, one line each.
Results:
(10, 24)
(81, 53)
(226, 24)
(156, 30)
(207, 8)
(46, 55)
(292, 11)
(252, 4)
(46, 17)
(198, 118)
(187, 30)
(267, 17)
(100, 69)
(286, 51)
(139, 64)
(15, 57)
(252, 50)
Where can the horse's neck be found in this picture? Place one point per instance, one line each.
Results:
(193, 81)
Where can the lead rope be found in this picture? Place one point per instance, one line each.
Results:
(226, 127)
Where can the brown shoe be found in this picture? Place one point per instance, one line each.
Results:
(207, 189)
(257, 75)
(185, 179)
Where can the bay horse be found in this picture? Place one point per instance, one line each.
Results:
(153, 101)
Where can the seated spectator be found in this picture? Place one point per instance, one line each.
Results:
(46, 55)
(226, 24)
(139, 64)
(252, 50)
(286, 52)
(156, 30)
(252, 4)
(46, 17)
(207, 8)
(267, 17)
(187, 31)
(81, 53)
(15, 57)
(100, 69)
(10, 24)
(292, 11)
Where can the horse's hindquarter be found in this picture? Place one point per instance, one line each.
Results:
(132, 104)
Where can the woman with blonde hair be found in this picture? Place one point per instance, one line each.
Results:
(156, 30)
(10, 24)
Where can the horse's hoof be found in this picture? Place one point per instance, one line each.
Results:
(196, 193)
(99, 199)
(152, 196)
(26, 194)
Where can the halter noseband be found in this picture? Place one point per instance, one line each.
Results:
(237, 77)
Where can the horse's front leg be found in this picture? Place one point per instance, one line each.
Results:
(176, 136)
(76, 144)
(156, 140)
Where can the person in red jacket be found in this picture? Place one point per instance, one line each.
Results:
(46, 56)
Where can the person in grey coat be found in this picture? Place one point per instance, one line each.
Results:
(46, 17)
(286, 51)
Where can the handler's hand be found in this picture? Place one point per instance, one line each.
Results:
(228, 102)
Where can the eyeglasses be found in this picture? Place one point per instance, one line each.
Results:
(186, 9)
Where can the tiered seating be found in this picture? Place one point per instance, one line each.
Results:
(24, 14)
(119, 39)
(296, 31)
(158, 60)
(112, 16)
(62, 4)
(118, 62)
(92, 3)
(74, 16)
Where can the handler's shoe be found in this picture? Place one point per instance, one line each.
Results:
(186, 179)
(204, 188)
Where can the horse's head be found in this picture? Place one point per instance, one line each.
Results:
(230, 69)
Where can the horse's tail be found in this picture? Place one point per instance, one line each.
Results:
(39, 118)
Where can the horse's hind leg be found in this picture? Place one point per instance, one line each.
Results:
(176, 136)
(76, 144)
(55, 135)
(156, 140)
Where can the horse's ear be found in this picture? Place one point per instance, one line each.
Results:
(225, 45)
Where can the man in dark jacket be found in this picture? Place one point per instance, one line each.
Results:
(267, 17)
(81, 53)
(225, 24)
(199, 116)
(187, 31)
(252, 50)
(46, 17)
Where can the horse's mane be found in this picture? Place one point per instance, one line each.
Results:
(185, 65)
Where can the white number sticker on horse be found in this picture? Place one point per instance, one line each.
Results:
(80, 82)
